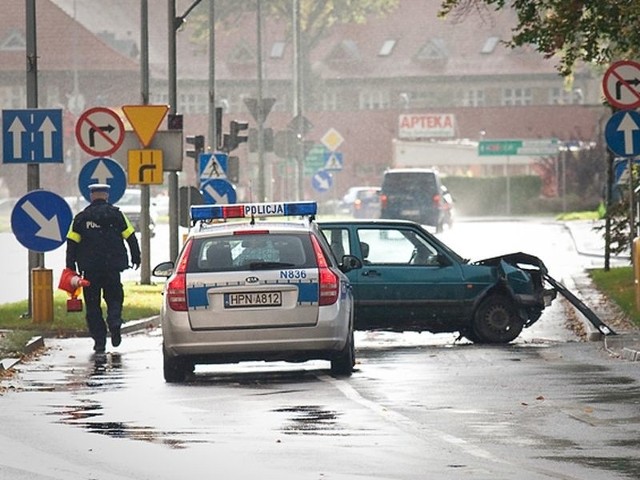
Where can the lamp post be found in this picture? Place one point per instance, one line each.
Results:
(175, 23)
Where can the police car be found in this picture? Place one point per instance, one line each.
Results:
(256, 290)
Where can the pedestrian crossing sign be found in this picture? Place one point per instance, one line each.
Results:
(333, 161)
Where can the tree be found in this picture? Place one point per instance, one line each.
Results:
(591, 31)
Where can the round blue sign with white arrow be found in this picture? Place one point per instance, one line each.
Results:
(40, 220)
(218, 191)
(322, 180)
(622, 133)
(103, 170)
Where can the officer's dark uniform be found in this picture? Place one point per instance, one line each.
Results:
(95, 243)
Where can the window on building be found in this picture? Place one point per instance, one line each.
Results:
(490, 45)
(562, 96)
(345, 51)
(193, 103)
(14, 41)
(373, 99)
(422, 99)
(473, 97)
(387, 48)
(518, 96)
(329, 101)
(434, 49)
(12, 97)
(277, 50)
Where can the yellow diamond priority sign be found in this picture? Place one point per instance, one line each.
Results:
(145, 120)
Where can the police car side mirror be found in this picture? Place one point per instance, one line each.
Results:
(164, 269)
(350, 262)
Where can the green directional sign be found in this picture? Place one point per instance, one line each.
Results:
(518, 147)
(314, 160)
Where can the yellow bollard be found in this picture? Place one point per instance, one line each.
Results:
(42, 295)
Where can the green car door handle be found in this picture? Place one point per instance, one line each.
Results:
(371, 273)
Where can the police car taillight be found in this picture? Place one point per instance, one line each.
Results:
(329, 283)
(177, 285)
(251, 210)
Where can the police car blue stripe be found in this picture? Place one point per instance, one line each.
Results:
(308, 292)
(197, 297)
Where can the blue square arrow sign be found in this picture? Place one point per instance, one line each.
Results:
(32, 136)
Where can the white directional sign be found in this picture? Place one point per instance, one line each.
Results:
(32, 136)
(322, 181)
(622, 133)
(218, 191)
(103, 170)
(40, 220)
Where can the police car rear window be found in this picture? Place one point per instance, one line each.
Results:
(267, 251)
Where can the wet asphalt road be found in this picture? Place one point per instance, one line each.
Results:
(418, 406)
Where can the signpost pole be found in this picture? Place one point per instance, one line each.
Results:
(35, 259)
(145, 235)
(507, 174)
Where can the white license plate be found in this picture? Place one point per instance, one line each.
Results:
(253, 299)
(410, 212)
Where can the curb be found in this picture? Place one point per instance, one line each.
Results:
(31, 346)
(35, 343)
(143, 324)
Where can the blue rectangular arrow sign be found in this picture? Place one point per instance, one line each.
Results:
(32, 136)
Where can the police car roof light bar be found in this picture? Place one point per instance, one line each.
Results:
(252, 210)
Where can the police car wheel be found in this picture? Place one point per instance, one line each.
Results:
(497, 321)
(342, 364)
(175, 368)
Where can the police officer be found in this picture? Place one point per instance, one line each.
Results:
(95, 243)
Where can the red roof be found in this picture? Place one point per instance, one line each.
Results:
(62, 43)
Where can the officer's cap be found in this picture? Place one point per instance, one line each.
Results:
(99, 187)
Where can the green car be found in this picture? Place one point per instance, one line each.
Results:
(411, 281)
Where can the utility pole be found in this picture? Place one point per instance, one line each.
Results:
(212, 131)
(35, 259)
(174, 24)
(260, 110)
(297, 100)
(145, 267)
(173, 176)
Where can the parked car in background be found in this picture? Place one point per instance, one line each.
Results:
(447, 201)
(131, 205)
(411, 281)
(362, 202)
(413, 194)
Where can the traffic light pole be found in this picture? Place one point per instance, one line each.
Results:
(260, 110)
(173, 176)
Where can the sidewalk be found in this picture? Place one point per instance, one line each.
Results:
(590, 243)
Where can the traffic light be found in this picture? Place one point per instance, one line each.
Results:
(234, 139)
(198, 145)
(233, 169)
